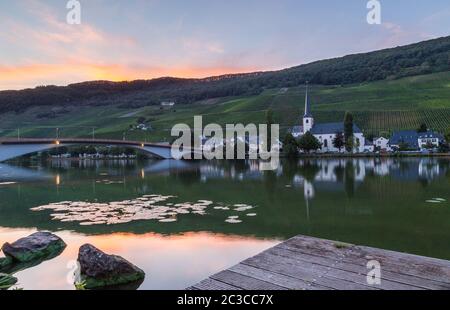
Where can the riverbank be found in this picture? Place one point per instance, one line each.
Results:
(370, 155)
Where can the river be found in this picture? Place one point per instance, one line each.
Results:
(183, 221)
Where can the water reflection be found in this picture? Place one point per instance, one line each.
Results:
(170, 262)
(392, 203)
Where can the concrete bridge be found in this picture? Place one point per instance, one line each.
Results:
(12, 148)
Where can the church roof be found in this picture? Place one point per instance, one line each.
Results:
(331, 128)
(410, 137)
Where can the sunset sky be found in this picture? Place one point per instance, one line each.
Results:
(125, 40)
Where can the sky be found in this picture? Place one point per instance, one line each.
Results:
(141, 39)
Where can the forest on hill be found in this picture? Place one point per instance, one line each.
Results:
(416, 59)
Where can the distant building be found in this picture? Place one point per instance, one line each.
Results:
(326, 132)
(430, 138)
(369, 147)
(142, 127)
(414, 140)
(381, 143)
(409, 138)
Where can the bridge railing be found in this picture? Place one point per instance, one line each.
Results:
(48, 132)
(80, 132)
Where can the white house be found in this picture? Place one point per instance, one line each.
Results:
(416, 141)
(326, 132)
(429, 138)
(369, 147)
(382, 143)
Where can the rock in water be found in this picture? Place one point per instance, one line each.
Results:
(101, 270)
(6, 281)
(33, 247)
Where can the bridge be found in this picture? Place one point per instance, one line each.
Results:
(15, 147)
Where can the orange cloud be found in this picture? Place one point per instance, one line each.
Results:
(55, 53)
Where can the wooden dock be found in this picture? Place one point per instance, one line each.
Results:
(306, 263)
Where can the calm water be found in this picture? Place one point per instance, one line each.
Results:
(182, 222)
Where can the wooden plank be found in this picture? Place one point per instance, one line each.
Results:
(398, 263)
(329, 244)
(307, 263)
(342, 270)
(292, 268)
(276, 278)
(210, 284)
(359, 266)
(245, 282)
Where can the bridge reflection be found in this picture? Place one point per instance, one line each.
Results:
(12, 148)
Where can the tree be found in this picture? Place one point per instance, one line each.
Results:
(91, 150)
(349, 144)
(290, 146)
(444, 148)
(309, 143)
(338, 141)
(348, 131)
(422, 128)
(269, 122)
(447, 135)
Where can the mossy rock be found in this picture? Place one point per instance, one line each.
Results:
(6, 281)
(125, 282)
(34, 247)
(99, 270)
(5, 262)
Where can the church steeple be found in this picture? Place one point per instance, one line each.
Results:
(307, 108)
(308, 120)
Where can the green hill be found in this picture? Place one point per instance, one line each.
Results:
(426, 57)
(379, 107)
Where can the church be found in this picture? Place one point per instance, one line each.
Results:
(326, 132)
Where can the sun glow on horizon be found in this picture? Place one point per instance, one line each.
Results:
(34, 75)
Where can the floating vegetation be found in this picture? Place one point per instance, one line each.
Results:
(147, 207)
(222, 208)
(109, 182)
(436, 200)
(242, 207)
(233, 221)
(168, 220)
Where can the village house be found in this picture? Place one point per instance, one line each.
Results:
(414, 141)
(381, 144)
